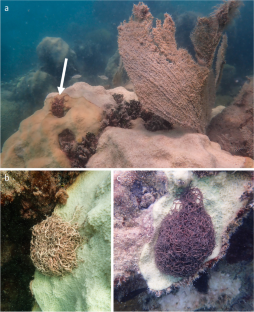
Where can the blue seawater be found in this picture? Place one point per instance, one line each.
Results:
(28, 22)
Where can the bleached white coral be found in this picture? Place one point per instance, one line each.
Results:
(182, 178)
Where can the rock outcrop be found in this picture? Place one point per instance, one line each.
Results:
(140, 148)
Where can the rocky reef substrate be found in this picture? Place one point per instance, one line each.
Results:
(92, 127)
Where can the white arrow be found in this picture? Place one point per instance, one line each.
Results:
(60, 89)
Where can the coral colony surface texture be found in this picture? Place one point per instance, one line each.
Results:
(156, 108)
(172, 230)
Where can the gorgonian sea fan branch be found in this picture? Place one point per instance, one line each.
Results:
(167, 80)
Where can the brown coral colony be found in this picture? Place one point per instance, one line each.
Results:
(186, 236)
(57, 107)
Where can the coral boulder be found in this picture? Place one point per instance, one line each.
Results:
(140, 148)
(52, 52)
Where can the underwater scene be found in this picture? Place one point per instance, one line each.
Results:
(183, 240)
(83, 85)
(55, 241)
